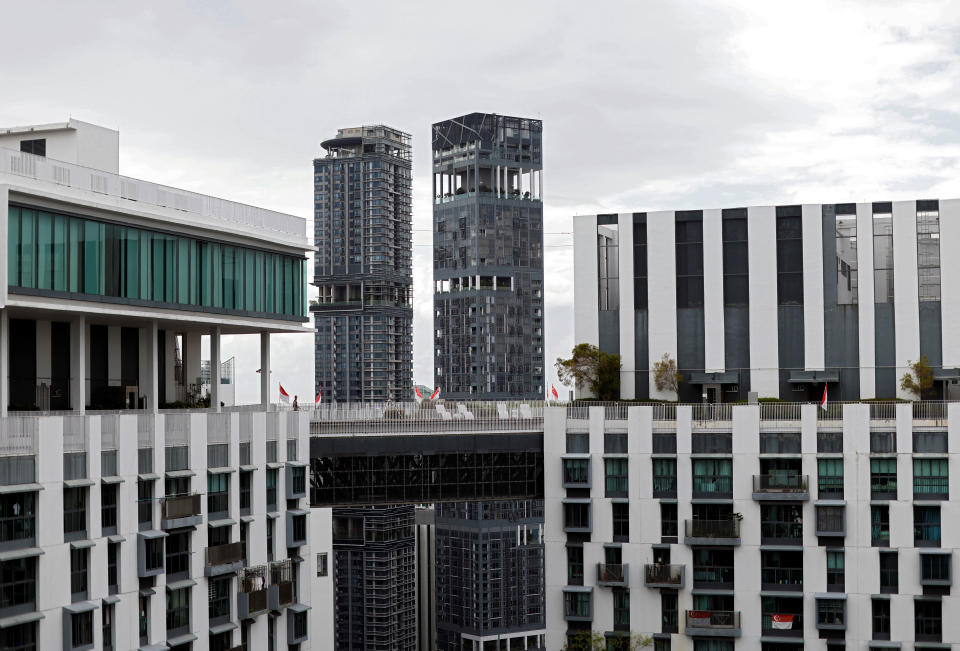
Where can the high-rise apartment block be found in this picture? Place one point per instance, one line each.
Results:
(364, 317)
(777, 300)
(488, 256)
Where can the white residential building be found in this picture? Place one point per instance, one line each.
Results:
(130, 516)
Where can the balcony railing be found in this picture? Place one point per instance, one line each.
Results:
(713, 576)
(788, 579)
(776, 532)
(613, 574)
(716, 529)
(180, 506)
(781, 483)
(663, 576)
(931, 488)
(707, 486)
(224, 554)
(714, 619)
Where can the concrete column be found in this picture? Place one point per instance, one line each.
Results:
(540, 180)
(191, 357)
(215, 368)
(265, 370)
(149, 365)
(78, 364)
(4, 361)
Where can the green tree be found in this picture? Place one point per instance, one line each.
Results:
(665, 374)
(597, 641)
(919, 380)
(592, 368)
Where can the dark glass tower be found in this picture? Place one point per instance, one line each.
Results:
(364, 317)
(488, 257)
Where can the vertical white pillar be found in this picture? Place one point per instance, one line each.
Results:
(865, 302)
(4, 360)
(762, 261)
(540, 182)
(215, 368)
(813, 311)
(149, 365)
(949, 268)
(78, 364)
(265, 370)
(169, 365)
(662, 293)
(627, 318)
(4, 224)
(906, 292)
(713, 332)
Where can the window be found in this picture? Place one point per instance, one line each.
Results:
(74, 465)
(713, 645)
(79, 575)
(608, 260)
(246, 480)
(219, 598)
(616, 477)
(576, 471)
(145, 503)
(831, 613)
(930, 442)
(928, 620)
(178, 610)
(712, 477)
(713, 568)
(577, 604)
(926, 526)
(711, 443)
(880, 618)
(575, 564)
(615, 443)
(18, 585)
(270, 524)
(299, 526)
(144, 619)
(882, 254)
(935, 569)
(736, 290)
(829, 442)
(669, 612)
(106, 622)
(664, 477)
(782, 611)
(780, 442)
(883, 442)
(272, 489)
(883, 478)
(661, 644)
(218, 494)
(298, 480)
(81, 629)
(928, 250)
(621, 609)
(781, 570)
(153, 554)
(36, 146)
(113, 568)
(846, 243)
(880, 525)
(621, 522)
(931, 479)
(271, 451)
(74, 513)
(664, 443)
(668, 520)
(322, 564)
(689, 258)
(108, 508)
(18, 518)
(830, 521)
(576, 516)
(781, 523)
(889, 572)
(578, 443)
(299, 625)
(178, 554)
(835, 571)
(789, 255)
(640, 261)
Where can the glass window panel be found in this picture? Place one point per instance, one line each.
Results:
(249, 281)
(75, 254)
(59, 253)
(91, 257)
(259, 306)
(194, 275)
(216, 274)
(228, 284)
(183, 270)
(13, 246)
(44, 250)
(28, 225)
(131, 288)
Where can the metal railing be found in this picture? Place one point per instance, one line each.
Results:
(780, 483)
(180, 506)
(371, 418)
(712, 528)
(781, 578)
(613, 573)
(223, 554)
(654, 573)
(713, 619)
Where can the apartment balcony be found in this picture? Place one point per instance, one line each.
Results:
(663, 576)
(712, 532)
(180, 511)
(251, 604)
(713, 623)
(223, 559)
(786, 487)
(616, 575)
(280, 595)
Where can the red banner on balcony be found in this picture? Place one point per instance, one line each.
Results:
(784, 622)
(698, 618)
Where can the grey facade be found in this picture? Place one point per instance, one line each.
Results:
(375, 579)
(490, 574)
(488, 257)
(364, 315)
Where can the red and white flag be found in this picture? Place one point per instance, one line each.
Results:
(698, 618)
(823, 400)
(416, 391)
(553, 390)
(783, 622)
(284, 396)
(435, 394)
(316, 400)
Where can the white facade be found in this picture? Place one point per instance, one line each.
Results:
(745, 427)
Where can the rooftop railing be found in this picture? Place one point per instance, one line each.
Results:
(106, 183)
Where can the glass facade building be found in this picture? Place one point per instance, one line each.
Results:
(488, 257)
(364, 317)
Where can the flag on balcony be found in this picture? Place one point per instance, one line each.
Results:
(317, 399)
(284, 396)
(419, 395)
(823, 400)
(435, 394)
(783, 622)
(698, 618)
(553, 390)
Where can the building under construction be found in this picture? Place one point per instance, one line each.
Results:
(364, 317)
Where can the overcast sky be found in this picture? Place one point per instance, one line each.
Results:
(646, 105)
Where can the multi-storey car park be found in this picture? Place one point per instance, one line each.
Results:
(128, 517)
(777, 300)
(766, 527)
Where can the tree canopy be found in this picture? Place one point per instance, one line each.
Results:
(592, 368)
